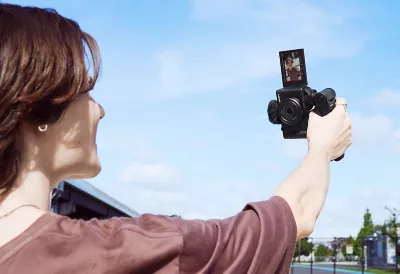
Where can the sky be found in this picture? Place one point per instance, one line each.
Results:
(186, 83)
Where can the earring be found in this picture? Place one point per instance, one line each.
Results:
(42, 128)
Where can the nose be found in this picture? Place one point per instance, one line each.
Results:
(102, 111)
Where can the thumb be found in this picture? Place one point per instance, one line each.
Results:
(313, 116)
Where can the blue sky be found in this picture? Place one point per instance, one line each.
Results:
(185, 85)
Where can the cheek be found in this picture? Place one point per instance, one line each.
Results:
(77, 135)
(76, 146)
(77, 159)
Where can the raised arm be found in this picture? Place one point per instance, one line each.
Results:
(305, 189)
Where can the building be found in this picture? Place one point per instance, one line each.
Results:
(79, 199)
(380, 250)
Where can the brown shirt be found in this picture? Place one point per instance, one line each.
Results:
(260, 239)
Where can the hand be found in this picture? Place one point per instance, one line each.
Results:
(330, 134)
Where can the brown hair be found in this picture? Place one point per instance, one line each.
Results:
(42, 69)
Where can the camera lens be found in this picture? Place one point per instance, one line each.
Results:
(290, 111)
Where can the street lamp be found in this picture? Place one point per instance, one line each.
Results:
(310, 240)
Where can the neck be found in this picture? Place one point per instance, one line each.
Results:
(32, 188)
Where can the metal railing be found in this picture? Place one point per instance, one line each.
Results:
(335, 255)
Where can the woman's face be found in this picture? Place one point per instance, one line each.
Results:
(72, 140)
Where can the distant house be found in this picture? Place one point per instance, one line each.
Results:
(79, 199)
(380, 250)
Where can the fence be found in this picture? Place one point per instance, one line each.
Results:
(337, 255)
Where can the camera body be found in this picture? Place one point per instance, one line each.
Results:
(296, 99)
(293, 105)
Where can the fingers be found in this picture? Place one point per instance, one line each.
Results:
(342, 144)
(341, 101)
(341, 107)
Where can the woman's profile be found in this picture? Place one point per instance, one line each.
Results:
(48, 127)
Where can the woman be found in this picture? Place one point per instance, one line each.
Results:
(48, 124)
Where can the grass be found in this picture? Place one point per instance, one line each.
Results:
(375, 271)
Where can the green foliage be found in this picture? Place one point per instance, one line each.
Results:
(174, 216)
(322, 251)
(379, 228)
(305, 247)
(366, 230)
(390, 229)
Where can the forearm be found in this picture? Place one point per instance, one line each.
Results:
(305, 190)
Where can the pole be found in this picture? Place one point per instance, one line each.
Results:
(334, 256)
(396, 243)
(397, 253)
(292, 265)
(362, 256)
(299, 250)
(312, 247)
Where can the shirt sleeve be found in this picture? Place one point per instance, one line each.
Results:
(260, 239)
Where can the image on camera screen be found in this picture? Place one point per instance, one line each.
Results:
(293, 68)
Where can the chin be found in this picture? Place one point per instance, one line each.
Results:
(86, 168)
(94, 171)
(92, 168)
(86, 172)
(78, 164)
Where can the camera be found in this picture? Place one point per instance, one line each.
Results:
(296, 99)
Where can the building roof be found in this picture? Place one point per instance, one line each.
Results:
(97, 193)
(376, 237)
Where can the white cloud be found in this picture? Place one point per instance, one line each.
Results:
(164, 197)
(156, 201)
(386, 97)
(371, 130)
(214, 67)
(327, 25)
(249, 50)
(148, 174)
(342, 215)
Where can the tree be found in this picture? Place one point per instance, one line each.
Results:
(305, 247)
(322, 251)
(384, 230)
(174, 216)
(366, 230)
(390, 227)
(379, 228)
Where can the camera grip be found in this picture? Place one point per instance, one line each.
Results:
(325, 102)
